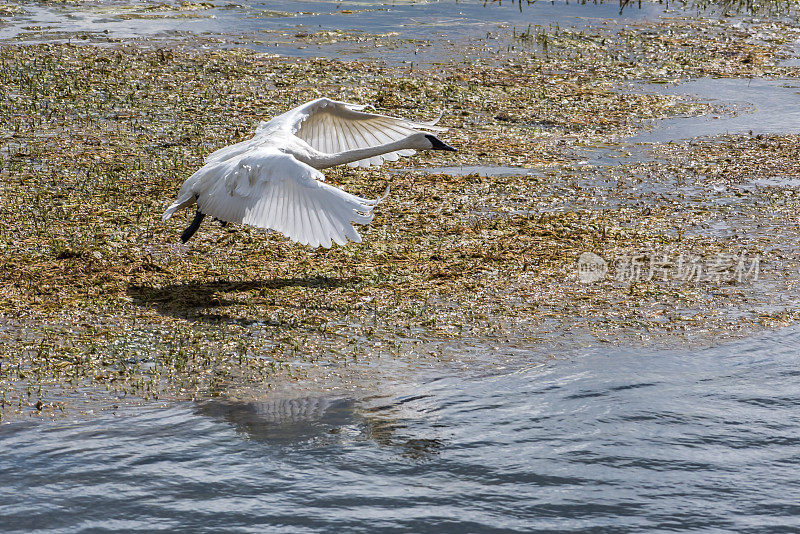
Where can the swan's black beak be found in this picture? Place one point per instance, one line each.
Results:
(438, 144)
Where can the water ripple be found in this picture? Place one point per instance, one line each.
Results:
(608, 441)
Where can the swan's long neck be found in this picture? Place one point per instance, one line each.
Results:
(321, 160)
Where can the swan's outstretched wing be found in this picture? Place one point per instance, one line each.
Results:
(269, 189)
(330, 126)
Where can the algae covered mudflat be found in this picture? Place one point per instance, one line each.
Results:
(100, 301)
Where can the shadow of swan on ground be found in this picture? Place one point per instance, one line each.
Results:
(204, 301)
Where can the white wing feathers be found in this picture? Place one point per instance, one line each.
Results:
(269, 189)
(330, 126)
(233, 150)
(255, 183)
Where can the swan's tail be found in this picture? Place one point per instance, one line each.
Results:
(181, 202)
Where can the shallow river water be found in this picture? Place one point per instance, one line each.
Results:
(273, 26)
(604, 441)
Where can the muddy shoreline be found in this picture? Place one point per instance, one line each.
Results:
(100, 306)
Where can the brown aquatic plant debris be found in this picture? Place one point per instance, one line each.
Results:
(96, 294)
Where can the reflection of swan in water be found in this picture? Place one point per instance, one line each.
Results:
(284, 420)
(387, 421)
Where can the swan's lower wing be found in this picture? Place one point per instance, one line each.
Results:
(269, 189)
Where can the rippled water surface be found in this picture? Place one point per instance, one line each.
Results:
(605, 441)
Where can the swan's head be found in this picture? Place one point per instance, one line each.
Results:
(423, 141)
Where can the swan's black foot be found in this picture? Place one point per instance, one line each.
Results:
(438, 144)
(189, 232)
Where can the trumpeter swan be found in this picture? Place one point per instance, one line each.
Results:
(273, 181)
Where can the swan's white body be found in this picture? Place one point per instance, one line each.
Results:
(273, 181)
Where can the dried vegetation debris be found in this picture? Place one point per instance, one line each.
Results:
(94, 290)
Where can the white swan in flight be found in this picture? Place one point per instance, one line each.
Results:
(272, 180)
